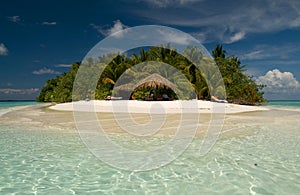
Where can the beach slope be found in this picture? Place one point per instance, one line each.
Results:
(156, 107)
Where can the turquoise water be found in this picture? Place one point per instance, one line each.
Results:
(284, 103)
(8, 104)
(47, 160)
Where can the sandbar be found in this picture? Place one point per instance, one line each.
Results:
(169, 113)
(156, 107)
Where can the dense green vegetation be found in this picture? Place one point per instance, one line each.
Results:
(240, 88)
(60, 88)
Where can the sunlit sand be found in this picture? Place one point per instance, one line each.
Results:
(155, 107)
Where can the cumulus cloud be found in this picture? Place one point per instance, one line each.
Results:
(19, 91)
(3, 50)
(45, 71)
(14, 18)
(49, 23)
(279, 82)
(118, 26)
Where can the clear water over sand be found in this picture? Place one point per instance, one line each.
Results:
(257, 153)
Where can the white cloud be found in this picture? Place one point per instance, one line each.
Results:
(256, 54)
(3, 50)
(263, 52)
(19, 91)
(49, 23)
(236, 37)
(14, 18)
(45, 71)
(279, 82)
(201, 36)
(174, 37)
(118, 26)
(63, 65)
(98, 28)
(219, 20)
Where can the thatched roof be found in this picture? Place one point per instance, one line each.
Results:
(124, 87)
(152, 81)
(155, 81)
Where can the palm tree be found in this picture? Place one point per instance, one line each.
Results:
(115, 69)
(218, 52)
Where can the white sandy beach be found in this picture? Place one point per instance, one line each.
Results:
(156, 107)
(61, 117)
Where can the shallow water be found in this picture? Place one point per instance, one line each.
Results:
(258, 153)
(284, 103)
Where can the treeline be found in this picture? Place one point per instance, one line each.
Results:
(59, 89)
(240, 88)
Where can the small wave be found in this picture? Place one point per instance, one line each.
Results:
(289, 104)
(13, 108)
(4, 111)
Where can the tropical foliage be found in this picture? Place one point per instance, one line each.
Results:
(60, 88)
(240, 88)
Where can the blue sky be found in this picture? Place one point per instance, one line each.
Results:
(40, 39)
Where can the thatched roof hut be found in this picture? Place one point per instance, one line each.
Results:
(155, 81)
(124, 87)
(152, 81)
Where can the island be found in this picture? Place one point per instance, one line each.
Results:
(240, 88)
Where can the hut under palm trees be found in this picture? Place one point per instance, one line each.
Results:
(153, 81)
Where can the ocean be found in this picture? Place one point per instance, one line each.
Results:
(257, 153)
(14, 103)
(284, 103)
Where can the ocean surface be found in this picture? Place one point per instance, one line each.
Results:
(263, 158)
(284, 103)
(6, 106)
(11, 104)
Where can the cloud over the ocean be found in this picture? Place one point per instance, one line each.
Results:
(63, 65)
(19, 94)
(278, 82)
(45, 71)
(19, 91)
